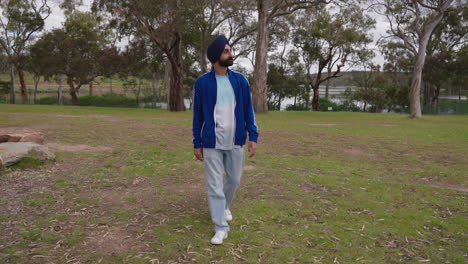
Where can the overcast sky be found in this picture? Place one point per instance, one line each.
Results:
(57, 17)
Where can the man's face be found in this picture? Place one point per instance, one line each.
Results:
(227, 58)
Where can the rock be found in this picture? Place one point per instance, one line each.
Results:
(13, 152)
(9, 135)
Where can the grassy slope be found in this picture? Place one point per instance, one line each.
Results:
(324, 187)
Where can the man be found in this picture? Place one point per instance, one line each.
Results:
(222, 113)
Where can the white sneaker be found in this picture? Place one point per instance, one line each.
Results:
(218, 237)
(228, 215)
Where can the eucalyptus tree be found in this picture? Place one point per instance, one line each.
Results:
(412, 22)
(268, 11)
(332, 40)
(72, 51)
(163, 23)
(209, 18)
(446, 40)
(20, 20)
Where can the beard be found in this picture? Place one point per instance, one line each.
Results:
(227, 62)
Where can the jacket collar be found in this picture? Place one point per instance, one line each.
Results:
(213, 73)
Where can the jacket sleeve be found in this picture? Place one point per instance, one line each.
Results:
(249, 113)
(198, 120)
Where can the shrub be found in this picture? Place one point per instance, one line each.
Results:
(107, 100)
(298, 107)
(347, 106)
(324, 103)
(48, 100)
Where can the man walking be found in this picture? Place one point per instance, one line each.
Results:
(222, 115)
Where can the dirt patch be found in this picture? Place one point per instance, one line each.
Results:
(453, 187)
(101, 117)
(60, 147)
(357, 152)
(114, 240)
(249, 167)
(313, 187)
(194, 188)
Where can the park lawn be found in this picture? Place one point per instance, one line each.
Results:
(323, 188)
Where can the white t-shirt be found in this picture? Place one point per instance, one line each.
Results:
(224, 116)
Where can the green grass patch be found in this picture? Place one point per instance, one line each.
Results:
(323, 188)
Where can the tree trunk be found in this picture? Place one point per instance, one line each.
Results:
(176, 96)
(434, 20)
(167, 81)
(328, 81)
(37, 78)
(259, 89)
(73, 91)
(202, 55)
(59, 92)
(435, 98)
(91, 88)
(24, 89)
(415, 92)
(12, 84)
(111, 85)
(279, 103)
(153, 85)
(315, 102)
(137, 94)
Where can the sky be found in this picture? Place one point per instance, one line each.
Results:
(57, 17)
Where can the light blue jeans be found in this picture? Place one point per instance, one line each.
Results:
(220, 195)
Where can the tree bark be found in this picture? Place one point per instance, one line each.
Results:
(73, 91)
(59, 92)
(91, 88)
(153, 84)
(176, 96)
(111, 85)
(203, 63)
(167, 81)
(329, 68)
(37, 78)
(415, 92)
(259, 89)
(315, 102)
(12, 84)
(24, 89)
(435, 98)
(425, 34)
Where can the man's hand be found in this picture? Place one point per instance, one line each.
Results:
(199, 154)
(252, 148)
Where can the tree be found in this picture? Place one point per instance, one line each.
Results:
(446, 39)
(412, 22)
(281, 78)
(110, 62)
(135, 67)
(331, 41)
(162, 22)
(268, 11)
(20, 20)
(208, 17)
(72, 50)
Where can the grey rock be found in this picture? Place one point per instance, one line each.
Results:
(13, 152)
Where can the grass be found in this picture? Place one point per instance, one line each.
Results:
(323, 188)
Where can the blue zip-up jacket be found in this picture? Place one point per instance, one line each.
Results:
(204, 101)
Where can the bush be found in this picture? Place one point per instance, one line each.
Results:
(324, 103)
(107, 100)
(347, 106)
(48, 100)
(298, 107)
